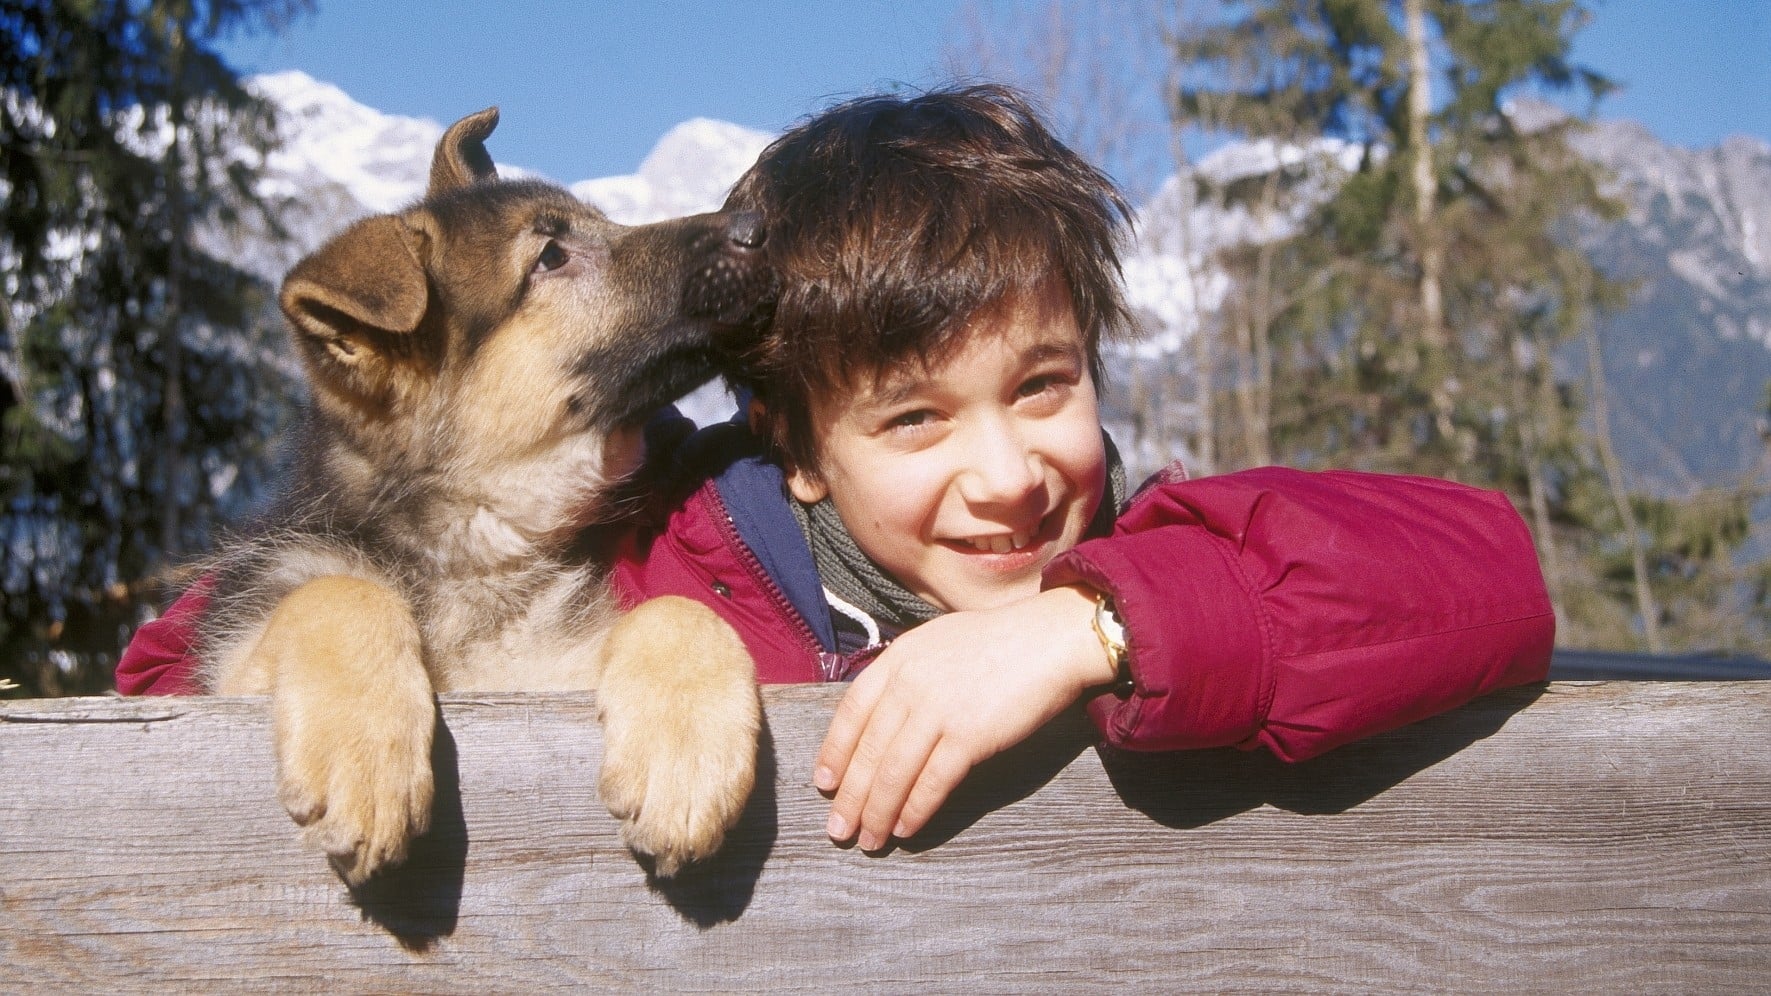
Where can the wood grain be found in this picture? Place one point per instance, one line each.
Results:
(1571, 837)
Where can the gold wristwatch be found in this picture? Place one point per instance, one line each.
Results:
(1111, 630)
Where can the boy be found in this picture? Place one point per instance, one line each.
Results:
(922, 483)
(948, 272)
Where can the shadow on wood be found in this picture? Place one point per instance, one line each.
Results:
(419, 901)
(1006, 779)
(1185, 789)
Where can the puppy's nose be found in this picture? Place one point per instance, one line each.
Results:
(745, 230)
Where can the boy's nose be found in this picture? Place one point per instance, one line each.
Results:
(1003, 470)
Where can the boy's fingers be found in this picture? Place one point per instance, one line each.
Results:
(846, 726)
(857, 778)
(896, 773)
(946, 767)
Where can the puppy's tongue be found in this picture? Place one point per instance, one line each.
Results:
(626, 449)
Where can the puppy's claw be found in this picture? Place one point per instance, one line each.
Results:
(360, 837)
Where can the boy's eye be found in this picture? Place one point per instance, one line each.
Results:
(910, 420)
(1039, 385)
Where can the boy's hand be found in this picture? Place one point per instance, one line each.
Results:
(945, 696)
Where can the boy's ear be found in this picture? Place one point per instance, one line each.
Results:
(808, 488)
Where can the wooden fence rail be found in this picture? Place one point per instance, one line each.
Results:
(1574, 837)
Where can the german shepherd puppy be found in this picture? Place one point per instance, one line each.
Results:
(480, 367)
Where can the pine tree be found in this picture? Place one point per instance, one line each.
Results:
(1435, 313)
(134, 378)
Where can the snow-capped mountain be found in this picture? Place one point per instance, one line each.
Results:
(340, 160)
(1688, 360)
(689, 171)
(330, 140)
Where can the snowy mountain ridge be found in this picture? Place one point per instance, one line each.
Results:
(328, 138)
(1689, 358)
(361, 161)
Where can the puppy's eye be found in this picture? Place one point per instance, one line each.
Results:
(552, 257)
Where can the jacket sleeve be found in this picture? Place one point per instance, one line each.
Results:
(161, 658)
(1301, 610)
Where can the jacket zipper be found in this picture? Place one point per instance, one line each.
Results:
(797, 622)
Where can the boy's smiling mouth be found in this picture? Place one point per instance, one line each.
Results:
(1020, 541)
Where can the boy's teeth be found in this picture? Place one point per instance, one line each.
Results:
(1002, 544)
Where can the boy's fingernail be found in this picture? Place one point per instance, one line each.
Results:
(837, 827)
(901, 830)
(869, 841)
(824, 779)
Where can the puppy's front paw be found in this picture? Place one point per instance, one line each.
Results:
(680, 719)
(357, 778)
(675, 795)
(352, 716)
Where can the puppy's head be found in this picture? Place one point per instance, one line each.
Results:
(496, 319)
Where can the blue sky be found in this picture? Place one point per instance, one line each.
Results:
(586, 88)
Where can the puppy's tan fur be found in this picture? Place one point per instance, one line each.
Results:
(474, 407)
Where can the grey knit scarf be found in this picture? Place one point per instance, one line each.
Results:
(853, 576)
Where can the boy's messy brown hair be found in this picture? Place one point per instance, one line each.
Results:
(894, 220)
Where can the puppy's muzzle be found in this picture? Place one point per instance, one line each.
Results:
(735, 285)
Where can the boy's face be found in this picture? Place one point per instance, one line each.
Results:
(965, 479)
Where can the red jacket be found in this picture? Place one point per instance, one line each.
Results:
(1302, 611)
(1295, 610)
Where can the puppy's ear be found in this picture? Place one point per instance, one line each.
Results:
(461, 157)
(354, 305)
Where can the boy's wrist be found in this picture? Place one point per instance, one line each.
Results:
(1075, 606)
(1110, 630)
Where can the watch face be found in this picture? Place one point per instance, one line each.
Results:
(1107, 615)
